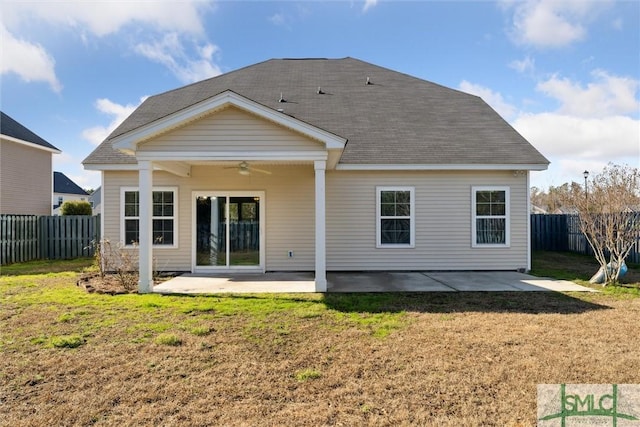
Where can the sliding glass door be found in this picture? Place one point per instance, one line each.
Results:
(228, 231)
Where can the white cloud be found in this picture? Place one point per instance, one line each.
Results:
(574, 144)
(494, 99)
(553, 23)
(595, 124)
(368, 4)
(103, 18)
(607, 95)
(30, 61)
(171, 53)
(587, 138)
(526, 65)
(97, 134)
(86, 179)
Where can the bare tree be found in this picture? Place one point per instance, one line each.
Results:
(609, 212)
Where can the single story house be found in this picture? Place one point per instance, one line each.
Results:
(65, 190)
(26, 164)
(317, 165)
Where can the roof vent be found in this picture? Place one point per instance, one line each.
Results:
(320, 92)
(282, 98)
(369, 81)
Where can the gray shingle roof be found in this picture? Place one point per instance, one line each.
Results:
(62, 184)
(397, 119)
(12, 128)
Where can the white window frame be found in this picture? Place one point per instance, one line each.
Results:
(506, 217)
(123, 190)
(411, 218)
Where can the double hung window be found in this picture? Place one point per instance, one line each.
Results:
(163, 209)
(395, 226)
(490, 226)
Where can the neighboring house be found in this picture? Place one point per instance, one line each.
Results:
(65, 190)
(565, 211)
(317, 165)
(95, 199)
(537, 210)
(25, 170)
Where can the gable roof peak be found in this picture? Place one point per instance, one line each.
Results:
(12, 128)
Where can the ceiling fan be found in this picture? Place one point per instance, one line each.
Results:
(245, 169)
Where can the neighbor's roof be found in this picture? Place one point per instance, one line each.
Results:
(62, 184)
(12, 128)
(396, 119)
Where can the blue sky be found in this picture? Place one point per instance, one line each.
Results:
(565, 74)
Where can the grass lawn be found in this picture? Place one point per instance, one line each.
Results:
(74, 358)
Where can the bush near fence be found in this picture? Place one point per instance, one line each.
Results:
(561, 233)
(31, 237)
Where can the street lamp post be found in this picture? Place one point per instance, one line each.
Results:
(586, 190)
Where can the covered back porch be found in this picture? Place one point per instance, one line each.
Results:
(232, 134)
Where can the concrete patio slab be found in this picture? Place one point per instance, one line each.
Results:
(190, 283)
(503, 281)
(384, 282)
(428, 281)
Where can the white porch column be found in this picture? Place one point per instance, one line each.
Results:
(321, 257)
(145, 188)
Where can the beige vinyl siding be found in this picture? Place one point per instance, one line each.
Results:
(231, 129)
(25, 180)
(289, 213)
(442, 222)
(443, 218)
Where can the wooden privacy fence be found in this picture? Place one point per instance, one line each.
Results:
(243, 236)
(29, 237)
(562, 233)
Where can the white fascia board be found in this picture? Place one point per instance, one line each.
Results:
(442, 167)
(129, 141)
(30, 144)
(198, 156)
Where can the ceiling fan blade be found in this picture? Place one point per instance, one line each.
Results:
(260, 170)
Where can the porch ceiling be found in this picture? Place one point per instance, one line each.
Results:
(183, 168)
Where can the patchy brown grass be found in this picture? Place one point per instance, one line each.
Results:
(368, 359)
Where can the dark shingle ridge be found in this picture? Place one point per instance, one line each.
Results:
(62, 184)
(397, 119)
(12, 128)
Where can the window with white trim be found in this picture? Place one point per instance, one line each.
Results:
(163, 211)
(395, 217)
(490, 211)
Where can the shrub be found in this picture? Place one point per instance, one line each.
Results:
(76, 207)
(119, 260)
